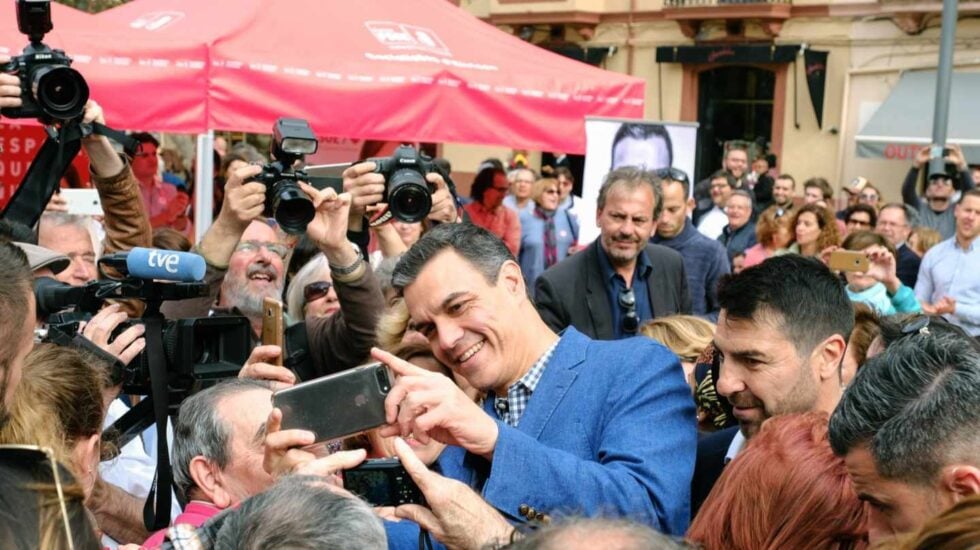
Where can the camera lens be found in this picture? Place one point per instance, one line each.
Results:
(291, 207)
(60, 91)
(409, 198)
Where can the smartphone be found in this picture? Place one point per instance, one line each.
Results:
(273, 325)
(83, 202)
(383, 482)
(849, 260)
(338, 405)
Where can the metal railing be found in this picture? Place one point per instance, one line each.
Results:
(708, 3)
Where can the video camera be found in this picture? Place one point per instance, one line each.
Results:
(50, 89)
(292, 140)
(197, 352)
(408, 194)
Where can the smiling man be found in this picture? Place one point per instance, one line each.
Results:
(781, 337)
(569, 424)
(620, 280)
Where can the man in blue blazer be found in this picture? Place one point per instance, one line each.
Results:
(569, 424)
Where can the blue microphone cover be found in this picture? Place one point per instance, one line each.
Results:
(165, 265)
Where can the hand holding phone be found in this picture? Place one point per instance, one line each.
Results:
(849, 260)
(383, 482)
(273, 326)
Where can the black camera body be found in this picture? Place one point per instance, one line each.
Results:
(408, 194)
(383, 482)
(292, 140)
(50, 89)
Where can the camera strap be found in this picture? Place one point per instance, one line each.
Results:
(45, 172)
(156, 511)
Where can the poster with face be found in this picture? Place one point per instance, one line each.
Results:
(613, 143)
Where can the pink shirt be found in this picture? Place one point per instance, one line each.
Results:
(502, 222)
(158, 197)
(195, 514)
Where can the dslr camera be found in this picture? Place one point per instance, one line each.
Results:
(51, 90)
(408, 195)
(292, 140)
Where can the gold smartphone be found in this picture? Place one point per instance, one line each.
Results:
(273, 326)
(849, 260)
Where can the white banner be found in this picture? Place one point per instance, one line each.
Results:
(612, 142)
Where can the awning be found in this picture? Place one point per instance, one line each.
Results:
(903, 123)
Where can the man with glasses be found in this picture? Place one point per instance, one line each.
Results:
(859, 217)
(246, 264)
(705, 260)
(895, 222)
(620, 280)
(781, 338)
(163, 203)
(935, 206)
(712, 221)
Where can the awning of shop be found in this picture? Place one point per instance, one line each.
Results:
(903, 123)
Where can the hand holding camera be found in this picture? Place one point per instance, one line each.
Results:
(430, 405)
(243, 201)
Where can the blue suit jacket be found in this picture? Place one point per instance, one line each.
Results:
(609, 430)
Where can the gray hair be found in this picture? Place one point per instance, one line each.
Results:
(302, 512)
(743, 193)
(601, 532)
(199, 431)
(916, 406)
(632, 177)
(309, 273)
(83, 223)
(911, 214)
(481, 248)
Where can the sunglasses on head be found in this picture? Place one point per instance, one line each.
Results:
(316, 290)
(672, 174)
(627, 301)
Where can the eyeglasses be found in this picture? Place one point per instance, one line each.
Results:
(871, 198)
(672, 174)
(858, 223)
(550, 192)
(627, 301)
(251, 247)
(315, 291)
(39, 459)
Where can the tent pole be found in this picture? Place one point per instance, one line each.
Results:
(204, 184)
(944, 80)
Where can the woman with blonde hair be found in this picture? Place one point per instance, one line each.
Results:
(685, 335)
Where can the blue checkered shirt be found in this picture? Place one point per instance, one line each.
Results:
(511, 408)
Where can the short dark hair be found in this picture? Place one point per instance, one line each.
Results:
(481, 248)
(145, 137)
(811, 303)
(823, 185)
(861, 207)
(859, 240)
(975, 193)
(916, 406)
(642, 131)
(719, 174)
(483, 181)
(787, 177)
(632, 177)
(564, 171)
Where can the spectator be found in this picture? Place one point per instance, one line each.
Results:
(879, 287)
(166, 238)
(705, 260)
(738, 263)
(644, 146)
(815, 229)
(302, 512)
(760, 183)
(623, 279)
(566, 182)
(468, 298)
(922, 239)
(773, 232)
(860, 217)
(520, 198)
(174, 171)
(776, 356)
(783, 191)
(866, 329)
(163, 202)
(548, 233)
(906, 428)
(712, 222)
(935, 206)
(816, 190)
(739, 234)
(685, 335)
(311, 293)
(785, 490)
(853, 191)
(735, 163)
(75, 237)
(896, 222)
(393, 239)
(870, 196)
(948, 284)
(487, 210)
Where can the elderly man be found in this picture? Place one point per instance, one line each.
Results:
(906, 428)
(781, 336)
(569, 424)
(895, 222)
(739, 234)
(620, 280)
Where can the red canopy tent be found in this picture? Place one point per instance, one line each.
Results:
(417, 70)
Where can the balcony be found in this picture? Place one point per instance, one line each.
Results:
(690, 14)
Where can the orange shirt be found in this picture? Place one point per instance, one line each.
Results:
(501, 221)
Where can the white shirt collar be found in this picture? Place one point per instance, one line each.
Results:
(738, 442)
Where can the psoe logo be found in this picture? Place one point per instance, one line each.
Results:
(399, 36)
(156, 20)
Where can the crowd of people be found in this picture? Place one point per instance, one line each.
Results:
(702, 375)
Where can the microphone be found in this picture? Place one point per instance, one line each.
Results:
(166, 265)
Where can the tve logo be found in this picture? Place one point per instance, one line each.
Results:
(156, 20)
(169, 262)
(399, 36)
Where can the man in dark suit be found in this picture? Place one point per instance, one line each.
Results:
(782, 333)
(895, 223)
(619, 281)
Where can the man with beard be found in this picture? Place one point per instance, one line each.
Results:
(245, 264)
(621, 280)
(783, 191)
(781, 337)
